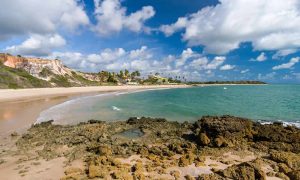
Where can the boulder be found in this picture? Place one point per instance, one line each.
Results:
(97, 171)
(294, 175)
(203, 139)
(246, 171)
(292, 160)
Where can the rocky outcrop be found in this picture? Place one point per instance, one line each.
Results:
(165, 145)
(34, 65)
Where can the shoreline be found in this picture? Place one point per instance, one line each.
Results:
(7, 95)
(21, 108)
(214, 147)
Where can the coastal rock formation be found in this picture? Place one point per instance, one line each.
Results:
(34, 65)
(223, 147)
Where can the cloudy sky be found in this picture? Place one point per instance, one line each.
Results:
(201, 40)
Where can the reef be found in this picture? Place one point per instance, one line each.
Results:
(213, 147)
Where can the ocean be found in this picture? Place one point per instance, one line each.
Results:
(263, 103)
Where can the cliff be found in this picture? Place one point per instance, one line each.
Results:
(34, 65)
(51, 71)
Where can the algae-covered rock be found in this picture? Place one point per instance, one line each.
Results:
(204, 139)
(220, 141)
(175, 174)
(97, 171)
(294, 175)
(245, 171)
(290, 159)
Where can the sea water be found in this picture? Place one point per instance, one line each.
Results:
(264, 103)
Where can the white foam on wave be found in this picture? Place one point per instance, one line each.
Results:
(115, 108)
(284, 123)
(55, 112)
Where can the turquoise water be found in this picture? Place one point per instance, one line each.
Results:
(261, 102)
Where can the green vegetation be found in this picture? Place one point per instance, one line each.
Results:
(83, 81)
(61, 81)
(18, 78)
(46, 72)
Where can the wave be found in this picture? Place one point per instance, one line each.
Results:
(55, 112)
(285, 123)
(115, 108)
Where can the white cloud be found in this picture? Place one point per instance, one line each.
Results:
(146, 60)
(216, 62)
(171, 29)
(19, 17)
(227, 67)
(261, 57)
(245, 71)
(268, 76)
(185, 55)
(203, 63)
(288, 65)
(111, 17)
(268, 25)
(283, 53)
(140, 53)
(37, 45)
(106, 56)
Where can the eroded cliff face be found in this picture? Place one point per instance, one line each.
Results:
(34, 65)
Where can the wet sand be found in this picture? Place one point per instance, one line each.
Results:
(19, 109)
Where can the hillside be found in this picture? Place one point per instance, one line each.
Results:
(18, 78)
(21, 72)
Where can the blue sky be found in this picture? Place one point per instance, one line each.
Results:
(201, 40)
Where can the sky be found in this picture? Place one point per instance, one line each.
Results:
(200, 40)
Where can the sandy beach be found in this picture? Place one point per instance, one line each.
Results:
(20, 108)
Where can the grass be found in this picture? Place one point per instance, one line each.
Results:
(18, 78)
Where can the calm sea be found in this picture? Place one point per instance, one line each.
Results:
(265, 103)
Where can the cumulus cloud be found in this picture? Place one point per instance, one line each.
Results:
(19, 17)
(185, 55)
(196, 67)
(37, 45)
(261, 57)
(111, 17)
(283, 53)
(221, 28)
(288, 65)
(227, 67)
(203, 63)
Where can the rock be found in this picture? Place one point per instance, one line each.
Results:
(215, 125)
(121, 174)
(175, 174)
(290, 159)
(186, 160)
(243, 171)
(189, 177)
(105, 151)
(203, 139)
(210, 177)
(14, 134)
(137, 167)
(73, 170)
(97, 171)
(283, 168)
(139, 176)
(282, 176)
(295, 175)
(220, 141)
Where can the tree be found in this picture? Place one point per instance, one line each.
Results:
(137, 73)
(121, 75)
(126, 73)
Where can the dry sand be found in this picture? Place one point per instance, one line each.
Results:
(12, 95)
(20, 108)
